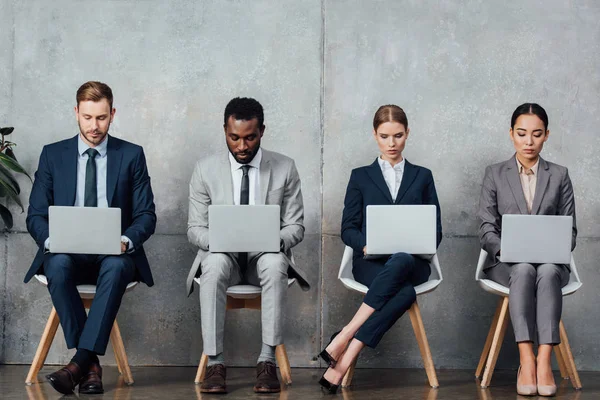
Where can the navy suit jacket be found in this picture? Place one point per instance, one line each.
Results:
(127, 187)
(367, 187)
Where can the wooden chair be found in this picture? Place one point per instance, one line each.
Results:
(493, 343)
(345, 275)
(249, 296)
(87, 293)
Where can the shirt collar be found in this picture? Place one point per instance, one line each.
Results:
(533, 169)
(82, 146)
(383, 164)
(254, 163)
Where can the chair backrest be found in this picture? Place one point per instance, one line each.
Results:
(491, 286)
(346, 276)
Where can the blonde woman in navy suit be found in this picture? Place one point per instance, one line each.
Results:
(389, 180)
(528, 184)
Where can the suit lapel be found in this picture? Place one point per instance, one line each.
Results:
(374, 172)
(225, 180)
(540, 186)
(69, 170)
(265, 176)
(408, 177)
(113, 166)
(512, 175)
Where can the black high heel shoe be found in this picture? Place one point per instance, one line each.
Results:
(326, 356)
(327, 386)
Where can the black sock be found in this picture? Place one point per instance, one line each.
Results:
(84, 358)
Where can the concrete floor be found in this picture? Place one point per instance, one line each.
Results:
(372, 384)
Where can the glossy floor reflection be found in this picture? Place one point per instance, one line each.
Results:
(371, 384)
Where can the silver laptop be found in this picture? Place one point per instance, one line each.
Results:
(84, 230)
(401, 228)
(536, 239)
(243, 228)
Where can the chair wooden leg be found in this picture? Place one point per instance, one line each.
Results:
(496, 343)
(43, 347)
(347, 381)
(568, 357)
(284, 364)
(117, 356)
(120, 355)
(201, 369)
(417, 324)
(488, 342)
(564, 372)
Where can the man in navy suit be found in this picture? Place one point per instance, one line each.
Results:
(91, 169)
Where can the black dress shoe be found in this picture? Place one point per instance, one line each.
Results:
(266, 378)
(214, 380)
(326, 356)
(91, 383)
(65, 379)
(327, 386)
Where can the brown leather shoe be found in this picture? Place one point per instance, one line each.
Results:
(266, 378)
(91, 383)
(214, 379)
(65, 379)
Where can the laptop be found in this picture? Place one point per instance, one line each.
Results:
(84, 230)
(401, 228)
(536, 239)
(244, 228)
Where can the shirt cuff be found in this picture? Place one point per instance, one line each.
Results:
(129, 244)
(47, 245)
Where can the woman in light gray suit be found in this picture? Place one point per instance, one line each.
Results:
(528, 184)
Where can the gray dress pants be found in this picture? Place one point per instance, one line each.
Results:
(535, 298)
(219, 271)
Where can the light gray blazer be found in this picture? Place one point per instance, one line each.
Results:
(502, 193)
(279, 184)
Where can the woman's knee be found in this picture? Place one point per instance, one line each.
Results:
(401, 262)
(549, 272)
(522, 271)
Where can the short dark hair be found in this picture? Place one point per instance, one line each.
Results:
(246, 109)
(94, 91)
(530, 109)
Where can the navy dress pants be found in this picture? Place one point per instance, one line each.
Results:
(110, 274)
(391, 282)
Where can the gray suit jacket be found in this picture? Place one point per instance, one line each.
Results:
(279, 184)
(502, 193)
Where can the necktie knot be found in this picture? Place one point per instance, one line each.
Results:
(245, 169)
(92, 153)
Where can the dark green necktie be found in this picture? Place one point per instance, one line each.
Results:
(244, 199)
(91, 191)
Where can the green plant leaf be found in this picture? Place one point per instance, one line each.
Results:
(6, 217)
(11, 154)
(11, 193)
(7, 177)
(13, 164)
(6, 131)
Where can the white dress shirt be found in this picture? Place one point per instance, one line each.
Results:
(253, 177)
(392, 175)
(101, 168)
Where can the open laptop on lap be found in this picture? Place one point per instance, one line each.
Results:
(536, 239)
(84, 230)
(244, 228)
(401, 228)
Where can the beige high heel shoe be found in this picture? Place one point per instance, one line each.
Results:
(546, 390)
(525, 390)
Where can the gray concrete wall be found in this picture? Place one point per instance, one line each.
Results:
(320, 68)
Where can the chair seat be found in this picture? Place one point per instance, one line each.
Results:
(85, 291)
(493, 287)
(246, 291)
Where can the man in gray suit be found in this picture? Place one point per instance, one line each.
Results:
(528, 184)
(247, 175)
